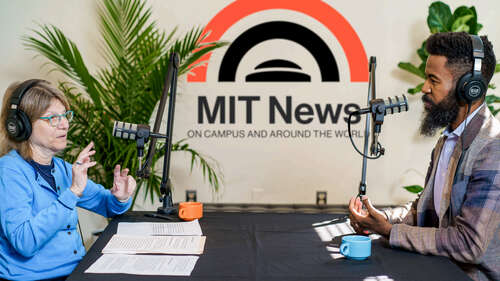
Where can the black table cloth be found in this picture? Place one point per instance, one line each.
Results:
(250, 246)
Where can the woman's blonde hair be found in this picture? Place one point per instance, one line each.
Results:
(34, 103)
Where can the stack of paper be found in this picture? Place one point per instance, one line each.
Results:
(144, 265)
(182, 238)
(184, 245)
(160, 228)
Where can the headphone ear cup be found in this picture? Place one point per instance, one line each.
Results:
(18, 125)
(460, 89)
(26, 124)
(12, 125)
(476, 88)
(470, 88)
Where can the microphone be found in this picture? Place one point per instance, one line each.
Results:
(379, 108)
(390, 106)
(129, 131)
(138, 132)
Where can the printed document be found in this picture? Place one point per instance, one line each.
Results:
(126, 244)
(144, 265)
(160, 228)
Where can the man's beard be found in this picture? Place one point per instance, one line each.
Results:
(439, 115)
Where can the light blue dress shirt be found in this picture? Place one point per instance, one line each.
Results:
(38, 225)
(444, 158)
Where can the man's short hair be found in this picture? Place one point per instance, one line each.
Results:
(457, 48)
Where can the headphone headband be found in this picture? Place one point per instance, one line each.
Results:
(477, 52)
(19, 92)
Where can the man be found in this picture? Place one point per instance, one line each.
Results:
(458, 213)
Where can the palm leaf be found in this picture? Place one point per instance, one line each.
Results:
(129, 87)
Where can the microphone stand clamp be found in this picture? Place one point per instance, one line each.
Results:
(378, 112)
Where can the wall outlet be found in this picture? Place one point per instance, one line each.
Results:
(191, 195)
(320, 197)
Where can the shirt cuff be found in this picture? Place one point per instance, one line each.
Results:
(387, 216)
(124, 201)
(68, 199)
(120, 203)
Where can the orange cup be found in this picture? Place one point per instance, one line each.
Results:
(189, 211)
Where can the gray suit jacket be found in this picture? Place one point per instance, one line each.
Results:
(467, 226)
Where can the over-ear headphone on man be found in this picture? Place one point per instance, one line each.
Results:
(18, 124)
(472, 85)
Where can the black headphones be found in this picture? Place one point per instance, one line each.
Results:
(18, 124)
(472, 86)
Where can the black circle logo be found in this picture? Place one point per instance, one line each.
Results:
(475, 91)
(266, 71)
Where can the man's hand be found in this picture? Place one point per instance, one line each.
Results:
(355, 206)
(123, 185)
(370, 219)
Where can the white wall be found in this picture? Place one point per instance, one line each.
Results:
(268, 170)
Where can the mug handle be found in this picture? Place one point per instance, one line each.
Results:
(181, 212)
(344, 249)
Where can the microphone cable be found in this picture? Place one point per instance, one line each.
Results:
(379, 146)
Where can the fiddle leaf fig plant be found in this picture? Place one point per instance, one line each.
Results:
(441, 19)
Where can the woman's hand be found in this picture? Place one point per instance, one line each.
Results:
(123, 185)
(80, 168)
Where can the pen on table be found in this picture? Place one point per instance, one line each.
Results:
(336, 220)
(158, 216)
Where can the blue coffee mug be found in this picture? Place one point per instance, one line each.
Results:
(356, 247)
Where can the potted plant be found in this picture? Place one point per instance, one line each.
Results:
(128, 88)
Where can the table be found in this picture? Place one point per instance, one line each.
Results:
(270, 246)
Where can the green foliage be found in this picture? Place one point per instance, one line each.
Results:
(414, 188)
(441, 19)
(136, 56)
(491, 99)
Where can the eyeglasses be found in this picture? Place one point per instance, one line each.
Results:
(55, 120)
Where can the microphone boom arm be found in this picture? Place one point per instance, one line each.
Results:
(371, 95)
(145, 171)
(166, 186)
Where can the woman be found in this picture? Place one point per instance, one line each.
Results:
(40, 192)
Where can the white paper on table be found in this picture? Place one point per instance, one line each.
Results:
(327, 232)
(126, 244)
(144, 265)
(159, 228)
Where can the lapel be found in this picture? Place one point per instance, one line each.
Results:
(448, 183)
